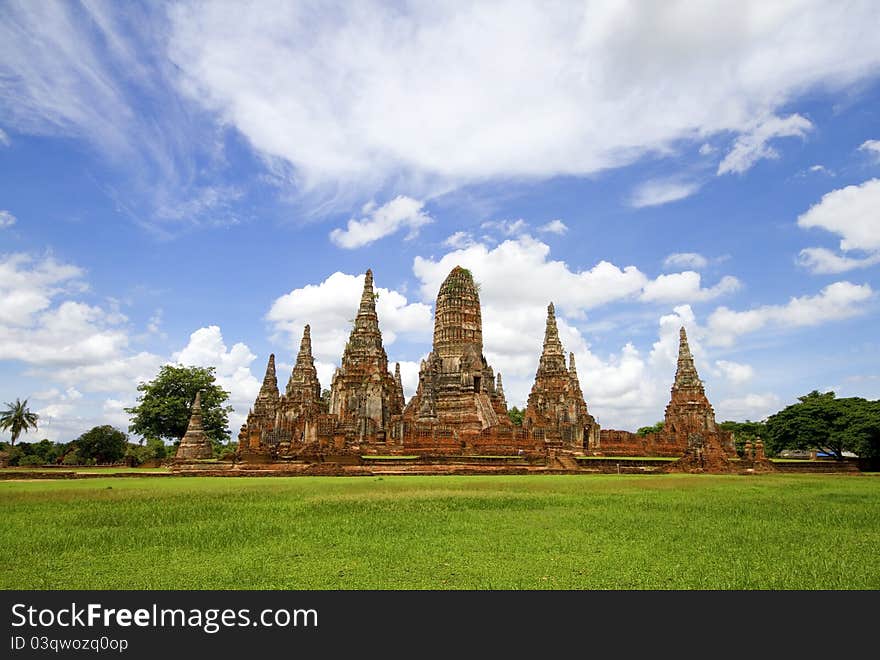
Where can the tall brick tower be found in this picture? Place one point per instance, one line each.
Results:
(363, 394)
(457, 387)
(689, 410)
(556, 402)
(690, 421)
(301, 403)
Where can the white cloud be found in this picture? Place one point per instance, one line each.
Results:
(661, 191)
(685, 260)
(707, 149)
(154, 325)
(36, 331)
(330, 308)
(554, 227)
(823, 261)
(751, 146)
(357, 98)
(686, 287)
(836, 301)
(735, 372)
(4, 139)
(496, 268)
(751, 406)
(821, 169)
(401, 212)
(851, 212)
(98, 72)
(6, 219)
(118, 374)
(206, 348)
(872, 147)
(506, 227)
(28, 284)
(458, 240)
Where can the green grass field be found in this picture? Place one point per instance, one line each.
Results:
(502, 532)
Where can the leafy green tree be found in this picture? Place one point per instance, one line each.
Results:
(18, 418)
(746, 431)
(516, 416)
(163, 407)
(821, 421)
(645, 430)
(103, 444)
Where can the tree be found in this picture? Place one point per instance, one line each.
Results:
(821, 421)
(645, 430)
(17, 418)
(163, 407)
(516, 416)
(103, 444)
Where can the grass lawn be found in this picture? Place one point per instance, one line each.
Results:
(504, 532)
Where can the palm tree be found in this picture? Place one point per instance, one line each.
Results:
(17, 418)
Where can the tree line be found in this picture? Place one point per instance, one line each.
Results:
(160, 417)
(818, 421)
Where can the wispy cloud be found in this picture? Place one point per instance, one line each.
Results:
(97, 71)
(611, 84)
(685, 260)
(872, 147)
(557, 227)
(752, 145)
(661, 191)
(379, 221)
(6, 219)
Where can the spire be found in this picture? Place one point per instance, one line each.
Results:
(398, 385)
(553, 356)
(305, 346)
(686, 373)
(368, 297)
(195, 443)
(365, 338)
(270, 382)
(267, 399)
(304, 374)
(575, 381)
(499, 391)
(195, 414)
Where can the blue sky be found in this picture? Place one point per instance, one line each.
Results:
(194, 182)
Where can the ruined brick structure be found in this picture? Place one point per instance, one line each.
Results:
(364, 396)
(754, 459)
(195, 443)
(459, 408)
(457, 388)
(556, 403)
(689, 421)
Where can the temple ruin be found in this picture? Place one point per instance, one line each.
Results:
(195, 443)
(459, 407)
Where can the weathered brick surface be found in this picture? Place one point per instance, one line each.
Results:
(457, 387)
(195, 443)
(556, 403)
